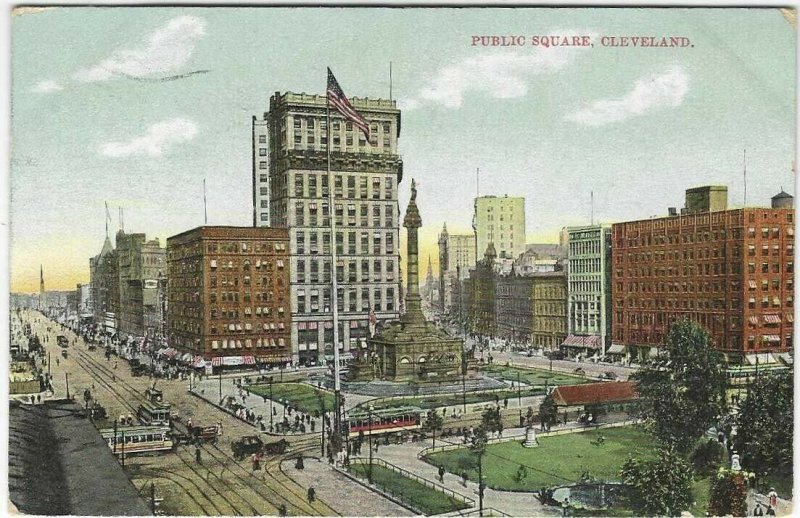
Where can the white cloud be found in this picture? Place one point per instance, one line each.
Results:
(165, 50)
(665, 89)
(500, 73)
(47, 86)
(157, 139)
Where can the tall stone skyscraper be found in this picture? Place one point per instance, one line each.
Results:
(291, 189)
(501, 221)
(444, 267)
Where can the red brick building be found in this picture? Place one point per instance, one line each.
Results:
(731, 271)
(228, 294)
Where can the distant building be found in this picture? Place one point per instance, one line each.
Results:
(589, 289)
(456, 258)
(482, 295)
(540, 257)
(731, 271)
(105, 287)
(500, 221)
(291, 142)
(514, 306)
(141, 269)
(549, 329)
(228, 294)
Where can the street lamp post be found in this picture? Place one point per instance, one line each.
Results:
(322, 433)
(270, 404)
(519, 399)
(369, 476)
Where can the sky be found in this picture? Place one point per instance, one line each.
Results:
(136, 106)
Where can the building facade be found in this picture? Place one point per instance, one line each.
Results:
(549, 328)
(228, 293)
(365, 211)
(514, 306)
(501, 221)
(104, 280)
(731, 271)
(589, 289)
(141, 270)
(481, 298)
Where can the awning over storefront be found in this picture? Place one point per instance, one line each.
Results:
(232, 361)
(785, 358)
(198, 362)
(760, 358)
(616, 349)
(772, 319)
(274, 359)
(169, 352)
(187, 357)
(583, 342)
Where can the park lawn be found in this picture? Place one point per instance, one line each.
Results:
(532, 376)
(426, 402)
(556, 461)
(299, 395)
(425, 499)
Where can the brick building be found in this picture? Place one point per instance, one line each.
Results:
(514, 306)
(228, 294)
(731, 271)
(141, 270)
(549, 319)
(481, 297)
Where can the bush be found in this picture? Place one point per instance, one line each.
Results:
(728, 493)
(708, 456)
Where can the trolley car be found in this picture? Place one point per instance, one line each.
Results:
(138, 439)
(384, 421)
(153, 413)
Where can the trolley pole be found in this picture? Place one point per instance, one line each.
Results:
(66, 376)
(115, 436)
(48, 365)
(152, 498)
(270, 404)
(123, 449)
(219, 373)
(322, 401)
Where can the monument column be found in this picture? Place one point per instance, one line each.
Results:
(412, 222)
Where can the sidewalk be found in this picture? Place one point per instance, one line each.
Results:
(510, 502)
(349, 498)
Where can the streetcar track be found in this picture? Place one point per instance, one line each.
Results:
(174, 477)
(300, 504)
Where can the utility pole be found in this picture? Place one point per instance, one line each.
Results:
(66, 376)
(219, 375)
(519, 399)
(152, 498)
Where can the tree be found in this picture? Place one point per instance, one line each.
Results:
(764, 425)
(433, 423)
(683, 394)
(477, 445)
(491, 421)
(548, 411)
(659, 487)
(708, 456)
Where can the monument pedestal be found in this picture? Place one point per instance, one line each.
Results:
(530, 438)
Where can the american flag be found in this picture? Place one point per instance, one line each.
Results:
(339, 100)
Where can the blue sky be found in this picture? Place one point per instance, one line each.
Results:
(94, 120)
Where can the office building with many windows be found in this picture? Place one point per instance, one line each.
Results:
(228, 294)
(501, 221)
(731, 271)
(365, 210)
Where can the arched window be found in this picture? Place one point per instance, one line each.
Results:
(404, 360)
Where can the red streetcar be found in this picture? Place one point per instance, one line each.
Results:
(384, 420)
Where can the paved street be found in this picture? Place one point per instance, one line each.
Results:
(218, 485)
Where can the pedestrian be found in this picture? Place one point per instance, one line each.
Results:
(464, 478)
(441, 473)
(312, 495)
(197, 455)
(758, 511)
(282, 510)
(505, 403)
(770, 511)
(773, 497)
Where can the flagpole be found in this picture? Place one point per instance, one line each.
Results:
(334, 280)
(205, 207)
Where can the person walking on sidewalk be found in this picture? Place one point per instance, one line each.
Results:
(441, 473)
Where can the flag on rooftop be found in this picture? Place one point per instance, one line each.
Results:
(339, 100)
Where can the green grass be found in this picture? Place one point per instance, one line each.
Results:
(556, 461)
(531, 376)
(427, 402)
(701, 489)
(425, 499)
(299, 395)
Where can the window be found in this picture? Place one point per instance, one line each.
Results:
(299, 214)
(262, 139)
(362, 187)
(262, 151)
(298, 185)
(388, 189)
(262, 165)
